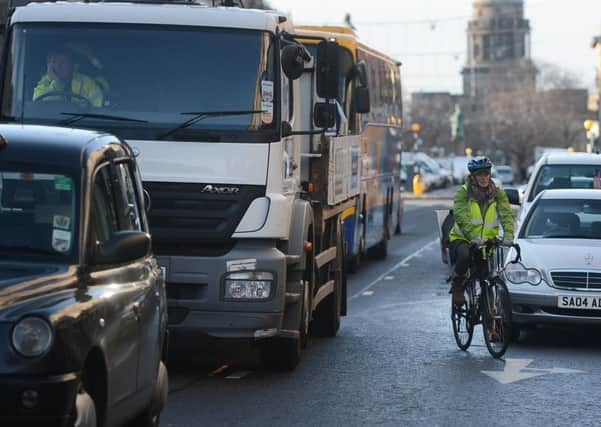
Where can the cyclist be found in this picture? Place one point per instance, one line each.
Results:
(478, 205)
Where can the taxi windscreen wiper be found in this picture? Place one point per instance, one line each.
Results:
(201, 115)
(75, 117)
(25, 248)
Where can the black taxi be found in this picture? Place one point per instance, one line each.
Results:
(82, 299)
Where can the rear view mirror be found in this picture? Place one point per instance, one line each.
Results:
(324, 115)
(513, 195)
(122, 247)
(328, 78)
(361, 100)
(361, 73)
(293, 61)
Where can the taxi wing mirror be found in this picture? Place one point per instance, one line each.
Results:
(122, 247)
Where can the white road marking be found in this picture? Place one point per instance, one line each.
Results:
(389, 278)
(367, 293)
(517, 370)
(237, 375)
(402, 263)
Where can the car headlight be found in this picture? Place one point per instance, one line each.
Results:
(249, 285)
(518, 273)
(32, 336)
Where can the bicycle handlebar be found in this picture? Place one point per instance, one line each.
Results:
(496, 242)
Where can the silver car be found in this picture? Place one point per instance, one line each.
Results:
(559, 278)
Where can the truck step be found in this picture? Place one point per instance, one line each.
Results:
(325, 257)
(325, 290)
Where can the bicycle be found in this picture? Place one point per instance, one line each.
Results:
(487, 300)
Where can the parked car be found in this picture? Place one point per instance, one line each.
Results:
(559, 278)
(82, 299)
(434, 176)
(505, 174)
(561, 170)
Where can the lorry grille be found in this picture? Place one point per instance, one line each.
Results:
(184, 220)
(576, 279)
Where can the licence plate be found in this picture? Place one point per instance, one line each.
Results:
(582, 302)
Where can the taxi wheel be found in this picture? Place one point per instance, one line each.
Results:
(85, 409)
(151, 415)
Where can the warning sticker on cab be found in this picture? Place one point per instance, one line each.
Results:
(61, 221)
(241, 264)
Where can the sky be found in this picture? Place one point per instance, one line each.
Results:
(429, 36)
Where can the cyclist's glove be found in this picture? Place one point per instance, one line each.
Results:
(477, 241)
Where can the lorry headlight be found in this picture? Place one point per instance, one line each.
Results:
(32, 336)
(251, 285)
(518, 273)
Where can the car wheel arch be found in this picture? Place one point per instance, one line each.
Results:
(95, 381)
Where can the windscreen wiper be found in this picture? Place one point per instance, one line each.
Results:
(24, 248)
(201, 115)
(75, 117)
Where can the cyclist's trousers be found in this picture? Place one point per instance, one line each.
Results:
(460, 256)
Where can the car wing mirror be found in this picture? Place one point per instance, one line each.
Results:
(122, 247)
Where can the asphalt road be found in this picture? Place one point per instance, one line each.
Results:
(395, 362)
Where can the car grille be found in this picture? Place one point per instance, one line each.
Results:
(186, 221)
(576, 279)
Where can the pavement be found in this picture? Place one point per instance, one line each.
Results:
(395, 362)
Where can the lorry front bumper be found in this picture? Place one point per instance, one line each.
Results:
(196, 293)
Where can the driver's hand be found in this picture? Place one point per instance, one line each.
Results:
(51, 72)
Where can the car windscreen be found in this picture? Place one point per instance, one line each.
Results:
(144, 81)
(564, 218)
(37, 215)
(566, 176)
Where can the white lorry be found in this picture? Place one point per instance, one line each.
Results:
(228, 112)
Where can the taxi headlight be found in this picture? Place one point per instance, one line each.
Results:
(32, 336)
(518, 273)
(248, 285)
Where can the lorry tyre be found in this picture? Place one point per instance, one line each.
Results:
(326, 320)
(85, 409)
(305, 314)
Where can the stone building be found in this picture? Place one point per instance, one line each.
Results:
(597, 45)
(498, 56)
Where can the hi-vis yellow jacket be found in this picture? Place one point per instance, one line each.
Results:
(81, 85)
(471, 222)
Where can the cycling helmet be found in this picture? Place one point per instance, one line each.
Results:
(478, 164)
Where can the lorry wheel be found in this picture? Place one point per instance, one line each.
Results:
(305, 315)
(85, 409)
(281, 354)
(151, 415)
(326, 319)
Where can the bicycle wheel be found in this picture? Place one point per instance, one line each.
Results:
(496, 317)
(463, 318)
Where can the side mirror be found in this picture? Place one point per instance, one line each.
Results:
(328, 77)
(361, 100)
(361, 73)
(123, 247)
(513, 195)
(293, 61)
(324, 115)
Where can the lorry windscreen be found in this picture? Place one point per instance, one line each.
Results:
(150, 74)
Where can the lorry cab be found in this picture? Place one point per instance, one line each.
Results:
(82, 299)
(211, 101)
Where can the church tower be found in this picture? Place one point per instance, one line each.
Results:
(498, 49)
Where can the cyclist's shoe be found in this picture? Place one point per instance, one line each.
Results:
(457, 289)
(493, 335)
